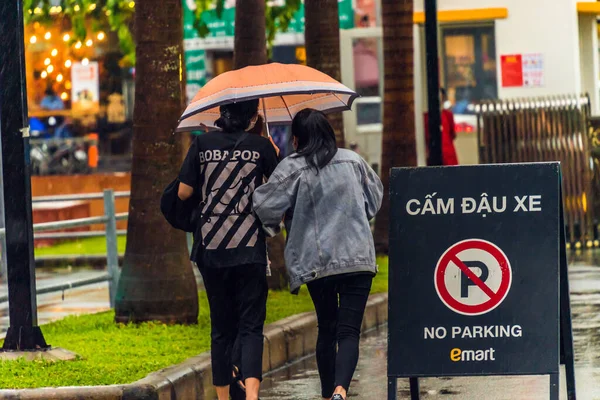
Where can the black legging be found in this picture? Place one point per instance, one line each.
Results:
(340, 303)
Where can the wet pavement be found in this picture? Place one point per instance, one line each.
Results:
(301, 381)
(54, 306)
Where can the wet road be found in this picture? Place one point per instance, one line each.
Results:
(301, 381)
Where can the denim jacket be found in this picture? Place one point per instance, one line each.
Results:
(326, 213)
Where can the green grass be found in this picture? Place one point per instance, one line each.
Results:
(87, 246)
(118, 354)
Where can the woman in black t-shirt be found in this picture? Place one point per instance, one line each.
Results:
(225, 167)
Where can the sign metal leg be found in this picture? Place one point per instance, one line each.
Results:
(392, 388)
(414, 389)
(554, 382)
(566, 327)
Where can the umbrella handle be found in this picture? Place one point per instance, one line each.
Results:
(265, 116)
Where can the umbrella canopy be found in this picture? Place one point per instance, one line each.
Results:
(285, 89)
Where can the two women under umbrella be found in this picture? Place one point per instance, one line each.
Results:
(325, 196)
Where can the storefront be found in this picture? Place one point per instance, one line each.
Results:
(488, 49)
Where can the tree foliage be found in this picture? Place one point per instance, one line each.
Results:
(83, 17)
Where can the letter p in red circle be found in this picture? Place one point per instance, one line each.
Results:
(473, 277)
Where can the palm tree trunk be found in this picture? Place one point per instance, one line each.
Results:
(251, 49)
(250, 46)
(157, 281)
(398, 143)
(322, 38)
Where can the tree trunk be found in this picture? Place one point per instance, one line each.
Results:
(398, 143)
(157, 281)
(251, 49)
(322, 38)
(250, 33)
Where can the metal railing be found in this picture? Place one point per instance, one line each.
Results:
(547, 129)
(109, 219)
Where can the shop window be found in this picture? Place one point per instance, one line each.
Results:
(469, 56)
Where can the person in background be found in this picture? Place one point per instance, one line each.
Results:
(328, 196)
(51, 101)
(449, 156)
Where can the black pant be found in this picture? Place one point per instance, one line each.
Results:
(340, 303)
(237, 297)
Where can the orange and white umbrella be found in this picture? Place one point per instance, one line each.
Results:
(285, 89)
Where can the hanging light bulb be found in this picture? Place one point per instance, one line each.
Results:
(37, 11)
(50, 69)
(85, 61)
(64, 96)
(101, 36)
(92, 7)
(59, 78)
(77, 8)
(68, 85)
(33, 39)
(131, 4)
(78, 45)
(47, 61)
(66, 37)
(54, 53)
(68, 63)
(89, 43)
(47, 36)
(44, 75)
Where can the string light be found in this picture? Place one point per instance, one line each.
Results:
(77, 8)
(59, 78)
(50, 69)
(101, 36)
(64, 96)
(132, 4)
(89, 43)
(54, 53)
(66, 37)
(85, 61)
(68, 85)
(37, 11)
(108, 13)
(68, 63)
(47, 61)
(44, 74)
(92, 7)
(33, 39)
(47, 36)
(78, 45)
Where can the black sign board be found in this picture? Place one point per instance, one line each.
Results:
(474, 271)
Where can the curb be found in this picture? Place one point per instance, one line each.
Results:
(286, 340)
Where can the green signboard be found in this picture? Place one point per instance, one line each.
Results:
(224, 27)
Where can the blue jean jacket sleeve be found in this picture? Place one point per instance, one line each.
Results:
(271, 200)
(373, 190)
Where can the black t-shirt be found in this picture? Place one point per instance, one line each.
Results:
(228, 234)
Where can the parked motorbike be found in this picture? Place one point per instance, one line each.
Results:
(53, 152)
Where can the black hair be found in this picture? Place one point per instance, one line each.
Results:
(49, 92)
(236, 117)
(316, 138)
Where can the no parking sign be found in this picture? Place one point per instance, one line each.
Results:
(474, 285)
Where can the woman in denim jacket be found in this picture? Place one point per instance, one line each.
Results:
(328, 196)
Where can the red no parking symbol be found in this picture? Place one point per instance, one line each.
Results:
(462, 289)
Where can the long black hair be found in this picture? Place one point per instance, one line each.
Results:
(316, 138)
(236, 117)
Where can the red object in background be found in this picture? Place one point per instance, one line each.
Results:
(449, 156)
(464, 127)
(512, 70)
